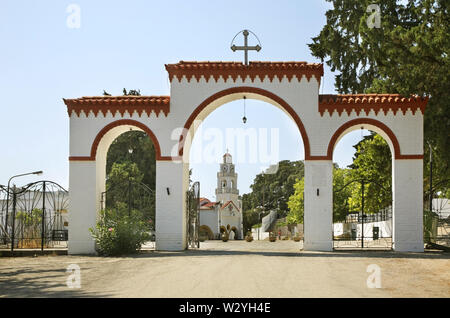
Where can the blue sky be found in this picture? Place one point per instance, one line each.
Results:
(126, 44)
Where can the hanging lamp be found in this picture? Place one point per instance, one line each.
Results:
(244, 119)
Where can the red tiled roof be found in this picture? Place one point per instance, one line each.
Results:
(208, 206)
(238, 69)
(121, 104)
(368, 102)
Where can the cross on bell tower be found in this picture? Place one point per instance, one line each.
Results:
(246, 47)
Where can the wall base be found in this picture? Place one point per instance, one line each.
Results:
(324, 246)
(81, 247)
(409, 247)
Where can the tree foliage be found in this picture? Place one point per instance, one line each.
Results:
(408, 54)
(373, 164)
(271, 191)
(296, 203)
(127, 171)
(143, 155)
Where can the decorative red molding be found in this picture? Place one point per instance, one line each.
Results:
(121, 104)
(246, 89)
(122, 122)
(367, 121)
(238, 69)
(368, 102)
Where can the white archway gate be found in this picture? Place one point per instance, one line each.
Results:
(197, 88)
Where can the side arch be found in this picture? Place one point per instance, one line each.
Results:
(273, 99)
(117, 123)
(383, 129)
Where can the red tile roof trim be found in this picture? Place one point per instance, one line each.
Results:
(368, 102)
(228, 203)
(121, 104)
(238, 69)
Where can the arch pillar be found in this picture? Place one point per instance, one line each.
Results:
(83, 206)
(172, 180)
(318, 205)
(407, 219)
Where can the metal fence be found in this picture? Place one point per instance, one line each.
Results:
(34, 216)
(364, 231)
(436, 229)
(132, 196)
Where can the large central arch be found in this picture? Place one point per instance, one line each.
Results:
(228, 95)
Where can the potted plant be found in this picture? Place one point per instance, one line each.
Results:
(249, 237)
(224, 237)
(272, 237)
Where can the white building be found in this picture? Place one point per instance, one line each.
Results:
(227, 211)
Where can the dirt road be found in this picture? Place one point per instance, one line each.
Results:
(232, 269)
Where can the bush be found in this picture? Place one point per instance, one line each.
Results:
(249, 238)
(117, 233)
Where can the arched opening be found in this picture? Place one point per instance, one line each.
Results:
(125, 152)
(362, 186)
(254, 165)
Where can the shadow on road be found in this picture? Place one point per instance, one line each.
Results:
(303, 254)
(38, 283)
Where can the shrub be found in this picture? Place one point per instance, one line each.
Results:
(117, 233)
(249, 238)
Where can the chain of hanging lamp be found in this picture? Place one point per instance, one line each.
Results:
(244, 119)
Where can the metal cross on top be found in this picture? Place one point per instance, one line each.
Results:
(245, 48)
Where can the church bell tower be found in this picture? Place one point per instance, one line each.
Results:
(227, 181)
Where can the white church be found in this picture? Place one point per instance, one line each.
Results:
(226, 212)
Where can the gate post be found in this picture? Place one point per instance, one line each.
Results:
(318, 209)
(14, 219)
(43, 218)
(407, 215)
(84, 202)
(171, 187)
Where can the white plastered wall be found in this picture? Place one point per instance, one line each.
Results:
(87, 177)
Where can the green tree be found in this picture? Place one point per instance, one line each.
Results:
(271, 191)
(372, 163)
(124, 186)
(250, 218)
(296, 203)
(143, 154)
(341, 193)
(408, 54)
